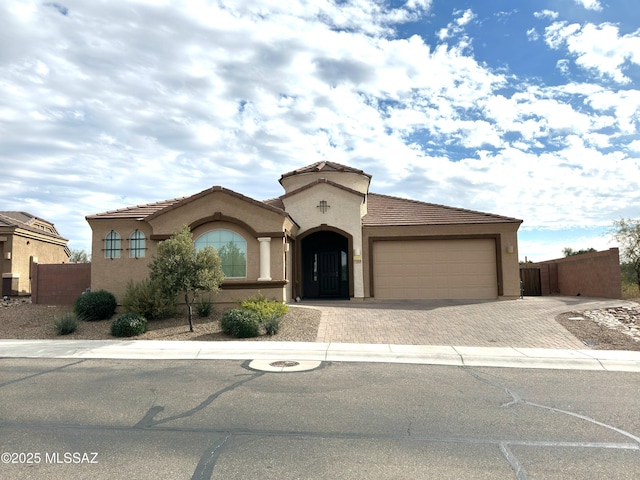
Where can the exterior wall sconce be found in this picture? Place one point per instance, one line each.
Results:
(357, 255)
(286, 247)
(510, 249)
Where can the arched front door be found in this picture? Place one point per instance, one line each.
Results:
(325, 265)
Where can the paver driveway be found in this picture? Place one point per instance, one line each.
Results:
(526, 323)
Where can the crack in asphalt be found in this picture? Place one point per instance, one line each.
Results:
(513, 461)
(518, 400)
(329, 435)
(580, 416)
(45, 372)
(208, 461)
(205, 467)
(148, 420)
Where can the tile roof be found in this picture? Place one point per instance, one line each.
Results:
(385, 210)
(186, 200)
(324, 167)
(275, 203)
(146, 211)
(22, 217)
(137, 211)
(26, 221)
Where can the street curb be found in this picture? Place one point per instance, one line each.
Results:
(603, 360)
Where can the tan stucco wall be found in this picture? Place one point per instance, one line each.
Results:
(231, 298)
(507, 237)
(261, 219)
(344, 214)
(113, 275)
(22, 246)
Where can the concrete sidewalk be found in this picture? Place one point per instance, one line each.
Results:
(500, 333)
(605, 360)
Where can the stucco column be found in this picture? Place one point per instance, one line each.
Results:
(265, 259)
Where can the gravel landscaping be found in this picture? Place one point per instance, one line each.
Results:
(606, 329)
(21, 320)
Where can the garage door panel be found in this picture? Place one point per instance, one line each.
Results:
(435, 269)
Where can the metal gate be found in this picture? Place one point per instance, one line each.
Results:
(531, 285)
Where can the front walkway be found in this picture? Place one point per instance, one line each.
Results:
(523, 323)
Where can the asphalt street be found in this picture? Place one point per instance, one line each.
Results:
(221, 419)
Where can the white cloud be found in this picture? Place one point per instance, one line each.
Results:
(546, 14)
(100, 110)
(598, 48)
(557, 33)
(456, 27)
(466, 17)
(590, 4)
(563, 66)
(533, 35)
(624, 106)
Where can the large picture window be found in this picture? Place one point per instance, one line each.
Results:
(231, 248)
(112, 245)
(137, 244)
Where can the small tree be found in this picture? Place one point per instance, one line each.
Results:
(179, 269)
(79, 256)
(627, 234)
(570, 252)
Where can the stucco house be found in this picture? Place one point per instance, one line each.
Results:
(327, 236)
(24, 239)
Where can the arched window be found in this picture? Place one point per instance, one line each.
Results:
(137, 242)
(231, 248)
(112, 245)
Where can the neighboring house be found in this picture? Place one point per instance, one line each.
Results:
(326, 237)
(25, 239)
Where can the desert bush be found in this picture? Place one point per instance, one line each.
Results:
(630, 290)
(66, 324)
(264, 308)
(204, 308)
(271, 326)
(129, 325)
(98, 305)
(240, 323)
(145, 298)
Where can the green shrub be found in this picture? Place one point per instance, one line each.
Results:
(266, 309)
(240, 323)
(630, 290)
(66, 324)
(146, 299)
(129, 325)
(271, 326)
(204, 308)
(98, 305)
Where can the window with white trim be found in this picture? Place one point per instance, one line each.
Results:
(231, 248)
(112, 245)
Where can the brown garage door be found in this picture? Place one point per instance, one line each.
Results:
(435, 269)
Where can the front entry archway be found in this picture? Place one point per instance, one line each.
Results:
(325, 265)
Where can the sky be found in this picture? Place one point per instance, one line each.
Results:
(528, 109)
